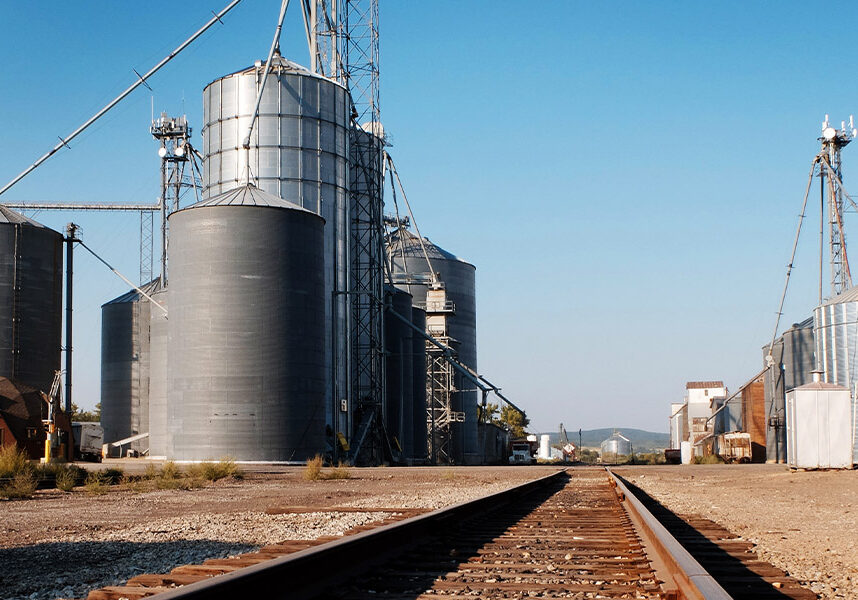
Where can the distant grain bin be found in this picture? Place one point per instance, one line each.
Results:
(616, 448)
(246, 364)
(299, 151)
(406, 256)
(31, 283)
(125, 365)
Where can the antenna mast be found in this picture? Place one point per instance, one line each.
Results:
(831, 178)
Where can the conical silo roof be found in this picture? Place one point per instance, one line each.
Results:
(248, 195)
(7, 215)
(403, 241)
(850, 295)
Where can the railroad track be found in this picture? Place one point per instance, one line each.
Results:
(561, 536)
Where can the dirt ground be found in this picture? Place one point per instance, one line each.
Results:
(60, 545)
(804, 522)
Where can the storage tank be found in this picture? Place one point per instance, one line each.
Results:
(125, 366)
(793, 356)
(617, 447)
(418, 362)
(31, 284)
(406, 257)
(158, 332)
(835, 328)
(299, 151)
(246, 363)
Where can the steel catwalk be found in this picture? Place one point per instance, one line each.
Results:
(31, 284)
(459, 277)
(246, 345)
(125, 365)
(299, 151)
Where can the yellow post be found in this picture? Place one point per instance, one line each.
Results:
(48, 440)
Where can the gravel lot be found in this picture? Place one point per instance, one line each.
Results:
(802, 522)
(60, 545)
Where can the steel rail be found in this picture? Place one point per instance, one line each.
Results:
(308, 573)
(691, 580)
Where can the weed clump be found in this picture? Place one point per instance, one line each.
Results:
(13, 461)
(21, 487)
(313, 471)
(67, 476)
(96, 483)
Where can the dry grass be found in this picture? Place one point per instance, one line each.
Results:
(22, 486)
(13, 461)
(67, 477)
(214, 471)
(96, 483)
(313, 471)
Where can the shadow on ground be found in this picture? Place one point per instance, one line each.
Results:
(71, 569)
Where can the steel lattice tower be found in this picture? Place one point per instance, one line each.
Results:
(358, 41)
(833, 142)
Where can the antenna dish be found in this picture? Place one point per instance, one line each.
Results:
(829, 133)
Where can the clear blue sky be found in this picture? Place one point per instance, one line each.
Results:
(625, 176)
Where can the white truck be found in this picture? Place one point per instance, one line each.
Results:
(88, 438)
(521, 453)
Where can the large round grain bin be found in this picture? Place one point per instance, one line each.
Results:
(125, 366)
(616, 448)
(459, 277)
(299, 151)
(31, 284)
(246, 364)
(835, 329)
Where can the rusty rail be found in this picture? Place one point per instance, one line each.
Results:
(690, 579)
(555, 534)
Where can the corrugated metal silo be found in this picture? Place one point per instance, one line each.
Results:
(158, 332)
(615, 447)
(418, 361)
(125, 365)
(31, 284)
(835, 328)
(246, 364)
(399, 371)
(299, 151)
(459, 277)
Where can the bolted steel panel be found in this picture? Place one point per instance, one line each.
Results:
(31, 283)
(246, 343)
(299, 152)
(158, 331)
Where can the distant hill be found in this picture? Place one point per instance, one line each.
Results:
(642, 441)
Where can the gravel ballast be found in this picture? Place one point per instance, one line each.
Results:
(802, 522)
(63, 545)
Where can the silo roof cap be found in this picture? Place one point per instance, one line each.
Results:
(850, 295)
(248, 195)
(279, 64)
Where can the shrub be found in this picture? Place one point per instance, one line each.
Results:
(170, 470)
(112, 476)
(341, 471)
(313, 470)
(67, 476)
(13, 461)
(96, 483)
(712, 459)
(151, 472)
(22, 486)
